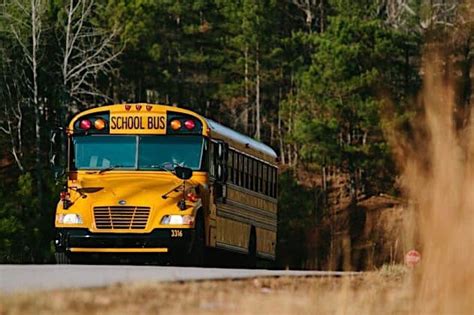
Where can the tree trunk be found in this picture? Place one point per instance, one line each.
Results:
(280, 138)
(257, 95)
(35, 37)
(245, 117)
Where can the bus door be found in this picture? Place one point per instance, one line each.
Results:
(220, 158)
(217, 175)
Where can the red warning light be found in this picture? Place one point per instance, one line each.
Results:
(189, 124)
(149, 107)
(85, 124)
(138, 107)
(127, 107)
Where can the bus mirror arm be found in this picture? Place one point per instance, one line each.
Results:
(182, 201)
(175, 189)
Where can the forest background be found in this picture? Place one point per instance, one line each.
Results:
(321, 81)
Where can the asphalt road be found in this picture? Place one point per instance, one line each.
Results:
(25, 278)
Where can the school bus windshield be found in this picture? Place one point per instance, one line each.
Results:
(96, 152)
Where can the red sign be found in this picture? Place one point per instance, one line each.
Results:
(412, 258)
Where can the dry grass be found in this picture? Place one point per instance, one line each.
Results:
(383, 292)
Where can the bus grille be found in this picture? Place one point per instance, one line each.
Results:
(121, 217)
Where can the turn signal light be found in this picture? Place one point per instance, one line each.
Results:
(175, 124)
(192, 197)
(64, 195)
(99, 124)
(189, 124)
(85, 124)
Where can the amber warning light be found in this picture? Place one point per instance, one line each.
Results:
(99, 124)
(175, 124)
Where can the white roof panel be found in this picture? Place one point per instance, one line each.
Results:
(240, 138)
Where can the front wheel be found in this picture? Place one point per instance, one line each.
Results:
(252, 254)
(198, 249)
(62, 258)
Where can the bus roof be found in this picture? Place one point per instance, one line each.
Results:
(217, 131)
(239, 139)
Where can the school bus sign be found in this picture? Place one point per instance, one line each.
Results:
(137, 123)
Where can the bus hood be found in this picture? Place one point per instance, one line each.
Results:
(115, 189)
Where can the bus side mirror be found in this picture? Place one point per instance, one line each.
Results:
(56, 146)
(183, 172)
(52, 154)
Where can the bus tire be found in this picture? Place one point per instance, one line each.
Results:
(252, 254)
(62, 258)
(198, 249)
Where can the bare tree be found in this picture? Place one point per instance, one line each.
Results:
(25, 19)
(87, 51)
(310, 9)
(11, 120)
(397, 13)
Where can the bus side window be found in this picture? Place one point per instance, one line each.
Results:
(274, 171)
(265, 179)
(230, 164)
(246, 177)
(236, 168)
(241, 170)
(255, 175)
(272, 181)
(269, 181)
(251, 172)
(275, 183)
(212, 161)
(260, 177)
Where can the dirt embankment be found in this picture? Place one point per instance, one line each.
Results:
(361, 237)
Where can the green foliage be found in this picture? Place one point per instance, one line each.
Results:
(297, 212)
(23, 232)
(353, 63)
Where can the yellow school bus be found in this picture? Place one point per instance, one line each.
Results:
(166, 182)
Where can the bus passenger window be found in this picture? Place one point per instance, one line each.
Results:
(241, 170)
(265, 179)
(251, 171)
(273, 182)
(235, 168)
(247, 172)
(212, 161)
(268, 186)
(255, 175)
(230, 164)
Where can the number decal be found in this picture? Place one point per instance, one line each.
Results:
(176, 233)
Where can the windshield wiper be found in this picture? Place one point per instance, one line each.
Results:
(105, 169)
(111, 168)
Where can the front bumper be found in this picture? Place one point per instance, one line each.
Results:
(158, 241)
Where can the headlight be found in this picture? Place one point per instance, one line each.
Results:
(70, 218)
(176, 219)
